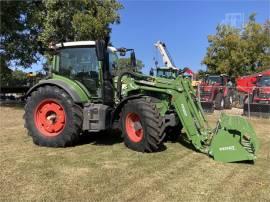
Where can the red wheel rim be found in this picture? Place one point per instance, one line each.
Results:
(50, 118)
(134, 127)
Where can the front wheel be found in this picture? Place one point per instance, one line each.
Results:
(141, 125)
(51, 117)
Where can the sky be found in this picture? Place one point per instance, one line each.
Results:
(182, 25)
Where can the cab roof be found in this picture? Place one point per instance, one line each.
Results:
(76, 43)
(81, 43)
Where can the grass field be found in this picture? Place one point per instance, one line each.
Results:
(105, 170)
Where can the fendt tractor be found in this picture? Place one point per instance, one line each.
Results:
(81, 95)
(216, 92)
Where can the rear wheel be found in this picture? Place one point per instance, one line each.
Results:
(141, 125)
(51, 117)
(219, 101)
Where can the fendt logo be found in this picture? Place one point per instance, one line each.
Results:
(232, 148)
(184, 110)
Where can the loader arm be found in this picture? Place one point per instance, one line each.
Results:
(227, 142)
(183, 100)
(191, 115)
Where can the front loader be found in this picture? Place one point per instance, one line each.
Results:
(81, 94)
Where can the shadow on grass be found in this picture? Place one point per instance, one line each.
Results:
(247, 162)
(101, 138)
(107, 138)
(183, 140)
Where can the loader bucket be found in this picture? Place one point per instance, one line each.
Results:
(234, 140)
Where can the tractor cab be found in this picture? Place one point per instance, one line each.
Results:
(81, 61)
(165, 72)
(78, 61)
(264, 81)
(261, 92)
(216, 80)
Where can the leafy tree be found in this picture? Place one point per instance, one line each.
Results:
(123, 64)
(78, 20)
(237, 52)
(19, 75)
(19, 32)
(201, 74)
(27, 27)
(5, 73)
(256, 39)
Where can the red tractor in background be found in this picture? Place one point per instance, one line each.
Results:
(253, 94)
(216, 92)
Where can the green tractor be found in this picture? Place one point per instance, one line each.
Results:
(81, 95)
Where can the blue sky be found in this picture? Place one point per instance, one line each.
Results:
(182, 25)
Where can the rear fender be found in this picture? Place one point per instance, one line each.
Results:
(73, 89)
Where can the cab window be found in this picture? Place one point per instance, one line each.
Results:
(80, 64)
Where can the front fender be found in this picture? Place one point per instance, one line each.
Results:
(118, 108)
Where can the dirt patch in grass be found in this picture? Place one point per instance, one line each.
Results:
(105, 170)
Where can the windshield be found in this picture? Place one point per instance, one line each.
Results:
(213, 79)
(81, 64)
(166, 73)
(264, 81)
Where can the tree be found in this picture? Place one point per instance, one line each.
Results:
(237, 52)
(27, 27)
(5, 73)
(123, 64)
(201, 74)
(256, 39)
(19, 32)
(78, 20)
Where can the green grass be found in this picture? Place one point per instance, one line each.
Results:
(105, 170)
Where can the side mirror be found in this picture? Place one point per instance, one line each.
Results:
(133, 59)
(100, 49)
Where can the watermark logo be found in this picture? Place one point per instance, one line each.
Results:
(184, 110)
(228, 148)
(236, 20)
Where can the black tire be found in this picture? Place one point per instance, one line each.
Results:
(219, 101)
(228, 101)
(151, 124)
(71, 130)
